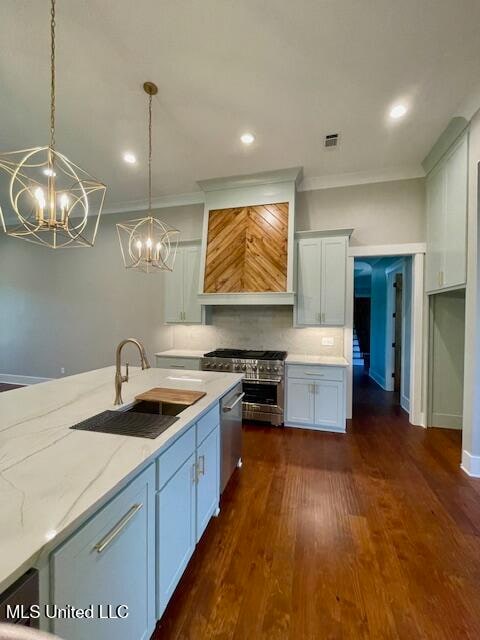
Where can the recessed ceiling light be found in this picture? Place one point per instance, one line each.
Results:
(398, 111)
(129, 158)
(247, 138)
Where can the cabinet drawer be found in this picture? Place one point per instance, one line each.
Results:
(207, 423)
(163, 362)
(173, 458)
(309, 372)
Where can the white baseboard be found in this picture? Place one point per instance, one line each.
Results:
(8, 378)
(470, 464)
(380, 380)
(405, 403)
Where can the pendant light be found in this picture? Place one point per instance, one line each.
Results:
(148, 244)
(51, 200)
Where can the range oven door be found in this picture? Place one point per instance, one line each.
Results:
(263, 400)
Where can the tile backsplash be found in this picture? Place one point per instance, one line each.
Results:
(257, 327)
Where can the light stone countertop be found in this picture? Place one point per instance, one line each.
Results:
(326, 361)
(53, 478)
(181, 353)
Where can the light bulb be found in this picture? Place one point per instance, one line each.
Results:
(49, 172)
(64, 201)
(149, 243)
(39, 195)
(139, 245)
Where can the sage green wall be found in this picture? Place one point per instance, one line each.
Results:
(69, 308)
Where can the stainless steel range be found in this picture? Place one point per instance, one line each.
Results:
(263, 384)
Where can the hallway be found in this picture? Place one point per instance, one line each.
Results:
(373, 534)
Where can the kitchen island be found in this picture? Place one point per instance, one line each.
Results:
(54, 479)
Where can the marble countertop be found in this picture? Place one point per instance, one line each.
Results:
(53, 478)
(181, 353)
(326, 361)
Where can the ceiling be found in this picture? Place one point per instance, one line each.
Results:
(290, 72)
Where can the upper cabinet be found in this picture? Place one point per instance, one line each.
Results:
(181, 287)
(248, 239)
(446, 258)
(321, 280)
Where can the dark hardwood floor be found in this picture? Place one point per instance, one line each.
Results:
(373, 534)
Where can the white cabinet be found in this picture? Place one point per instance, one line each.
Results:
(315, 397)
(176, 529)
(188, 482)
(321, 281)
(181, 288)
(170, 362)
(110, 561)
(447, 220)
(208, 479)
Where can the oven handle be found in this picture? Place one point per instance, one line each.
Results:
(234, 403)
(262, 380)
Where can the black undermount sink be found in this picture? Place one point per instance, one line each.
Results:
(143, 420)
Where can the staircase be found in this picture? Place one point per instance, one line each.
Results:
(358, 360)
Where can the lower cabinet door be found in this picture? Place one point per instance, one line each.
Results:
(176, 530)
(329, 404)
(109, 565)
(208, 479)
(300, 401)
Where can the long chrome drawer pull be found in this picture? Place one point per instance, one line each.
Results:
(234, 403)
(121, 524)
(317, 375)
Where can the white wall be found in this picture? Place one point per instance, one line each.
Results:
(380, 213)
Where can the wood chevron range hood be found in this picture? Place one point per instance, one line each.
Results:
(248, 234)
(247, 249)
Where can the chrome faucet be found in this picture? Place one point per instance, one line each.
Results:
(119, 379)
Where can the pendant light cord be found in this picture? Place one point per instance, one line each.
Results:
(150, 153)
(52, 77)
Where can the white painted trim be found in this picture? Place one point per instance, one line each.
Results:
(470, 464)
(323, 234)
(267, 297)
(380, 380)
(174, 200)
(362, 177)
(348, 336)
(387, 250)
(418, 342)
(247, 181)
(405, 403)
(8, 378)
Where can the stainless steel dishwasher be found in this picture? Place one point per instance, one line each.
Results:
(231, 433)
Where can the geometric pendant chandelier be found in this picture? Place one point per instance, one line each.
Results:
(51, 201)
(148, 244)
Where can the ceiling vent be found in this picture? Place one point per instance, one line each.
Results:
(331, 141)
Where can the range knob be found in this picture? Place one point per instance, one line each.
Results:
(261, 367)
(237, 367)
(206, 365)
(269, 368)
(244, 367)
(276, 369)
(214, 366)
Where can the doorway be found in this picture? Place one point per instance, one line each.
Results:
(382, 327)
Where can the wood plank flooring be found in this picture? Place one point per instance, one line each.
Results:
(373, 534)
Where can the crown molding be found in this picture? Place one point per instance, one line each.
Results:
(362, 177)
(307, 184)
(175, 200)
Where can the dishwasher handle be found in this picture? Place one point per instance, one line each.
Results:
(229, 407)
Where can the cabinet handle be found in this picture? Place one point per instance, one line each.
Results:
(201, 466)
(319, 316)
(118, 528)
(194, 473)
(317, 375)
